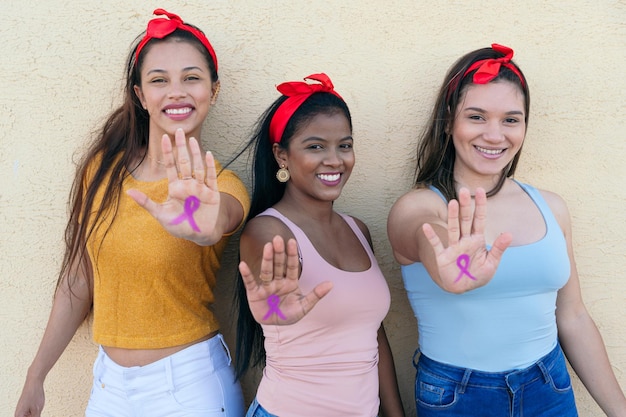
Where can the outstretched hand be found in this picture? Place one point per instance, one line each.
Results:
(192, 207)
(274, 296)
(466, 263)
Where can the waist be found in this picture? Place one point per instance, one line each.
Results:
(142, 357)
(514, 377)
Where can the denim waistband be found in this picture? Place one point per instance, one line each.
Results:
(511, 379)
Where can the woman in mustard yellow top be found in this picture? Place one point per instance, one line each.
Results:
(150, 216)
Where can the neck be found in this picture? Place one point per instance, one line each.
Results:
(298, 207)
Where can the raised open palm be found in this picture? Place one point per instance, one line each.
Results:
(274, 296)
(193, 203)
(466, 263)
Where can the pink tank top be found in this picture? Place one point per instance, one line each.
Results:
(327, 363)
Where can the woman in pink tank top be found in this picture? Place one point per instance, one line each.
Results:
(311, 298)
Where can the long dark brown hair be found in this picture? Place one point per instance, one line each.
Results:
(435, 153)
(118, 149)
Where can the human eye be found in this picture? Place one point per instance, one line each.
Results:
(511, 120)
(192, 78)
(157, 80)
(476, 117)
(346, 145)
(314, 146)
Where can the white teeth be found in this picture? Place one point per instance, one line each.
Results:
(330, 178)
(183, 110)
(490, 151)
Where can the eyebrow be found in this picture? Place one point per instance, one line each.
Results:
(160, 71)
(314, 138)
(478, 109)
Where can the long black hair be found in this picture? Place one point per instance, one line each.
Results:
(267, 191)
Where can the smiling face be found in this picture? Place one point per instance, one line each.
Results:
(320, 157)
(488, 130)
(176, 88)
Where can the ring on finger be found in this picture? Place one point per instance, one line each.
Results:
(187, 177)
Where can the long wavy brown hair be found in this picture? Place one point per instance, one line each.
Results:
(435, 152)
(119, 147)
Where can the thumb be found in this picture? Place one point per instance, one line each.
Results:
(499, 246)
(317, 294)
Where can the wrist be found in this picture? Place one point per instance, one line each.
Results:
(36, 374)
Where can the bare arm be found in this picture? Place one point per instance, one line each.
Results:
(579, 335)
(270, 270)
(450, 245)
(390, 401)
(69, 310)
(195, 209)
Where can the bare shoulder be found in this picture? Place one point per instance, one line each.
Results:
(364, 229)
(417, 203)
(558, 206)
(406, 219)
(262, 229)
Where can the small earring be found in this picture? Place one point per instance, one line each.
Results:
(283, 174)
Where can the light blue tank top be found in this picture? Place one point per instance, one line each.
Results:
(507, 324)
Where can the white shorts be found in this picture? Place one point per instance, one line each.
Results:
(198, 381)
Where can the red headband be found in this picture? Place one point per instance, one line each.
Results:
(488, 69)
(159, 28)
(298, 92)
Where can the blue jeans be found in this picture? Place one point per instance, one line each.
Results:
(256, 410)
(542, 390)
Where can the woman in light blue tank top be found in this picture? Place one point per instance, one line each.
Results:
(311, 297)
(487, 262)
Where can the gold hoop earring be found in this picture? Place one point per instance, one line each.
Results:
(283, 174)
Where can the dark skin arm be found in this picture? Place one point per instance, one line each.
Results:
(390, 401)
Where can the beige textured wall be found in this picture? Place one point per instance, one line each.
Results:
(62, 63)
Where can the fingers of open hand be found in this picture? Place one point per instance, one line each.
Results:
(480, 212)
(465, 212)
(198, 163)
(433, 239)
(501, 243)
(278, 246)
(184, 159)
(168, 158)
(314, 296)
(211, 173)
(143, 200)
(454, 228)
(249, 280)
(267, 264)
(293, 260)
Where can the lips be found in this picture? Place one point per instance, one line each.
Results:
(178, 111)
(490, 152)
(329, 177)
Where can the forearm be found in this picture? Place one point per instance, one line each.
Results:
(69, 310)
(584, 348)
(391, 403)
(230, 217)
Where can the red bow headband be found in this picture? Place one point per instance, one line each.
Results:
(297, 93)
(488, 69)
(159, 28)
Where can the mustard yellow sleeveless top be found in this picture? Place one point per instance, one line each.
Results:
(153, 290)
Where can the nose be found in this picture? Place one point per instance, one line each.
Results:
(333, 158)
(494, 132)
(176, 90)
